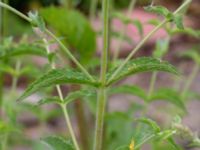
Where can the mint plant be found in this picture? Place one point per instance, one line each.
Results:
(101, 86)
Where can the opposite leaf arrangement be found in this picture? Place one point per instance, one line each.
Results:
(102, 87)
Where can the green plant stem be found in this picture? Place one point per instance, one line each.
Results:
(144, 40)
(64, 48)
(63, 106)
(104, 55)
(102, 96)
(70, 126)
(183, 6)
(93, 8)
(190, 80)
(122, 33)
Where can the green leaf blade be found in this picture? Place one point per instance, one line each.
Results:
(129, 89)
(158, 10)
(55, 77)
(169, 95)
(143, 64)
(22, 49)
(57, 143)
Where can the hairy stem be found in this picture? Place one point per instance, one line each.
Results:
(64, 48)
(68, 122)
(100, 119)
(146, 38)
(102, 96)
(63, 106)
(190, 80)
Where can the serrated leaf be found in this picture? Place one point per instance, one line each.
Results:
(173, 143)
(178, 19)
(128, 89)
(165, 134)
(49, 100)
(143, 64)
(169, 95)
(154, 22)
(151, 123)
(143, 134)
(158, 10)
(57, 76)
(58, 143)
(37, 20)
(22, 49)
(75, 95)
(76, 29)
